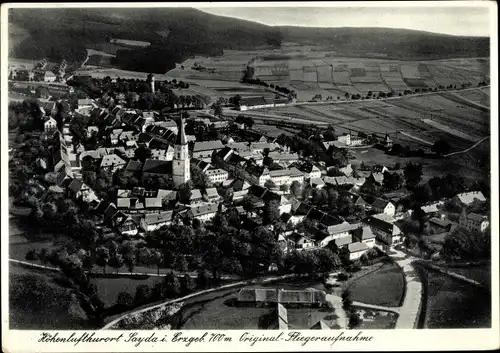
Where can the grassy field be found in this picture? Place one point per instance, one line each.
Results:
(384, 286)
(37, 302)
(455, 304)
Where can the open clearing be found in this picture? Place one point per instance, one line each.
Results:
(455, 304)
(384, 286)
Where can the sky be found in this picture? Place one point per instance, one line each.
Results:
(467, 21)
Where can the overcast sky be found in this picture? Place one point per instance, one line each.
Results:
(470, 21)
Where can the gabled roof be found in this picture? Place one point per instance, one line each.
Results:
(341, 228)
(380, 203)
(367, 233)
(195, 194)
(211, 192)
(440, 222)
(468, 197)
(204, 209)
(133, 166)
(476, 217)
(157, 166)
(155, 218)
(207, 146)
(75, 185)
(356, 247)
(382, 225)
(111, 160)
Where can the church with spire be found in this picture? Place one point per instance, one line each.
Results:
(180, 163)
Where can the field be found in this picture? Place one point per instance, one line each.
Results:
(455, 304)
(37, 301)
(384, 286)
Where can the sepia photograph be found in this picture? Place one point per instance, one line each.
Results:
(249, 167)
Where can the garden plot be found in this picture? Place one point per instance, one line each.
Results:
(364, 88)
(415, 83)
(296, 75)
(310, 74)
(341, 78)
(410, 71)
(348, 89)
(450, 130)
(476, 96)
(324, 73)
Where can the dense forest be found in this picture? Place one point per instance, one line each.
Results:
(178, 33)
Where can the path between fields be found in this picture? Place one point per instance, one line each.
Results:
(416, 138)
(468, 149)
(112, 274)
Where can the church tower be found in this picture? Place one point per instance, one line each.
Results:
(151, 81)
(180, 163)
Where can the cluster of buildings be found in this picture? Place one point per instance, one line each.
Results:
(227, 163)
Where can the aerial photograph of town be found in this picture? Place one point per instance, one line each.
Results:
(242, 168)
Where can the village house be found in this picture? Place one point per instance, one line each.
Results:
(125, 224)
(299, 242)
(217, 175)
(310, 171)
(154, 221)
(467, 198)
(49, 76)
(50, 126)
(384, 206)
(283, 159)
(339, 231)
(365, 235)
(211, 195)
(204, 212)
(205, 149)
(473, 221)
(196, 197)
(112, 162)
(356, 250)
(386, 233)
(441, 225)
(163, 154)
(349, 140)
(202, 164)
(85, 106)
(317, 183)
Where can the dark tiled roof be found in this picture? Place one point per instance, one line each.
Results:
(157, 167)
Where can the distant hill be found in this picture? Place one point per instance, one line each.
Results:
(66, 33)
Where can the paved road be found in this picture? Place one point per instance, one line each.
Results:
(408, 312)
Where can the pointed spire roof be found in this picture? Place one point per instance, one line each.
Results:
(181, 135)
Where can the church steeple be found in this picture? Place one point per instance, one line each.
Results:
(181, 135)
(181, 165)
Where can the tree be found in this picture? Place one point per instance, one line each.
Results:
(142, 153)
(392, 181)
(102, 257)
(346, 300)
(295, 188)
(31, 255)
(284, 188)
(157, 259)
(269, 184)
(354, 320)
(124, 299)
(271, 212)
(217, 108)
(116, 261)
(142, 294)
(441, 147)
(188, 284)
(202, 279)
(173, 284)
(413, 174)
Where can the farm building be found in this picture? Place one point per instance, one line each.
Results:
(474, 221)
(467, 198)
(305, 297)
